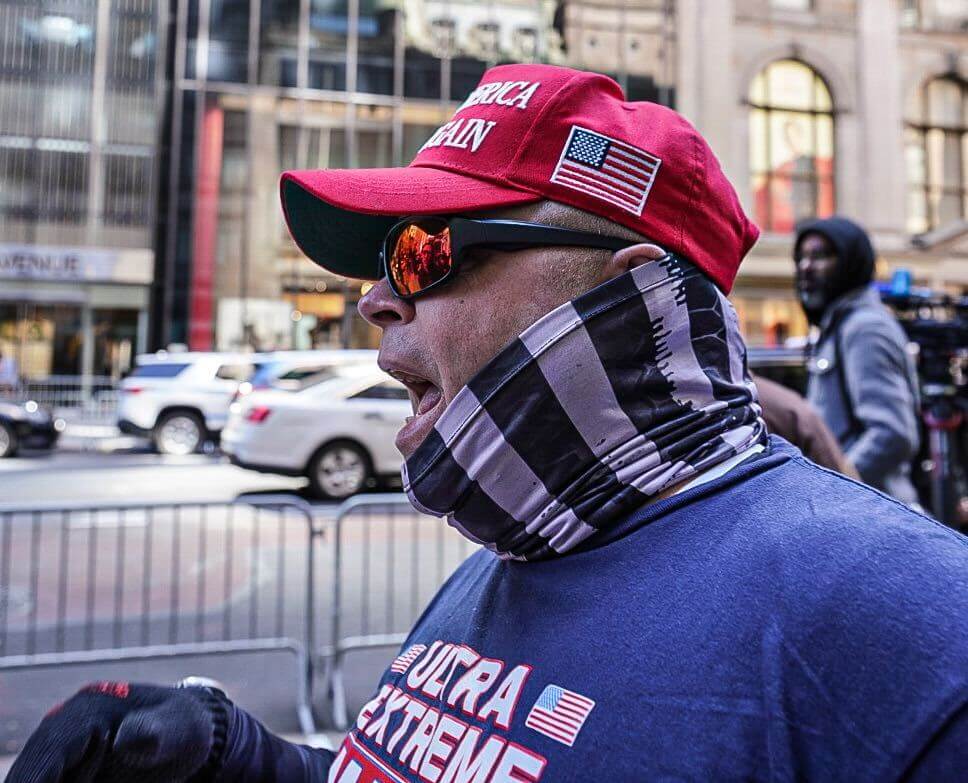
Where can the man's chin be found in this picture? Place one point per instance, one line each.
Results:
(417, 428)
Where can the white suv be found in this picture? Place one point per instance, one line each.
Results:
(181, 400)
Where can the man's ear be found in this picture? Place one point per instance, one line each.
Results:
(630, 257)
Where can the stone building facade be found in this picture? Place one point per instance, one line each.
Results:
(877, 60)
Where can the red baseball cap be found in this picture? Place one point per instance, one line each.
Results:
(528, 133)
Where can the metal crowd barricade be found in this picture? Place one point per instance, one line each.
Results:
(388, 561)
(126, 582)
(89, 399)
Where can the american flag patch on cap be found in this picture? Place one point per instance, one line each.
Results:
(606, 169)
(404, 661)
(559, 713)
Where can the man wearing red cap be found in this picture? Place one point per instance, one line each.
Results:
(663, 590)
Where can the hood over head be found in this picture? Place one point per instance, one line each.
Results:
(852, 245)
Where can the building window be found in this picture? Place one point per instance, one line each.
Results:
(127, 183)
(791, 146)
(937, 155)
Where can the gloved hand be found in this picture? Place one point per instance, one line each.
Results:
(113, 732)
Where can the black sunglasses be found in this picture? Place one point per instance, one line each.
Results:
(422, 253)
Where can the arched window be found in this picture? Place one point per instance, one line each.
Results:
(791, 145)
(937, 155)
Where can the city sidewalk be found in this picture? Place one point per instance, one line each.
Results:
(324, 739)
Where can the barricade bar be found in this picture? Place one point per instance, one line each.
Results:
(388, 562)
(83, 584)
(128, 581)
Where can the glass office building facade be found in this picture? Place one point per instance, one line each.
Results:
(260, 86)
(79, 90)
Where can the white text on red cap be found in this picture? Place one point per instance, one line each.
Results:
(500, 93)
(471, 132)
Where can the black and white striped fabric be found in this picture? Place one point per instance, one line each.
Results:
(599, 406)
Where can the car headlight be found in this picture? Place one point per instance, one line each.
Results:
(60, 425)
(31, 407)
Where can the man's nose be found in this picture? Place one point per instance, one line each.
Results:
(381, 308)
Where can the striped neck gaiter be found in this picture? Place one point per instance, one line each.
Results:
(594, 410)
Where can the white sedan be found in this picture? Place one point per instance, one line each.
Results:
(339, 433)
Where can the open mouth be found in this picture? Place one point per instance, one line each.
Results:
(428, 403)
(423, 394)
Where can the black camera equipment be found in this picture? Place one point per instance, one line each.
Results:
(937, 325)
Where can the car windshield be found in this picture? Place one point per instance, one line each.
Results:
(337, 375)
(334, 380)
(304, 376)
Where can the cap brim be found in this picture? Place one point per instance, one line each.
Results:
(339, 217)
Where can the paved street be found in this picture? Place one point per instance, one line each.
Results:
(203, 573)
(139, 475)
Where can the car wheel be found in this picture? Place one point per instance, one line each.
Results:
(181, 432)
(338, 470)
(8, 440)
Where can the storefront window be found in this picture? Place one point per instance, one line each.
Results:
(44, 339)
(115, 335)
(791, 146)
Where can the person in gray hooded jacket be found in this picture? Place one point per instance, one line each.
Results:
(862, 379)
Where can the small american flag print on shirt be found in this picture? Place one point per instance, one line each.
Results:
(559, 713)
(606, 169)
(403, 662)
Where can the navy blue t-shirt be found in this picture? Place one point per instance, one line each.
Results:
(779, 623)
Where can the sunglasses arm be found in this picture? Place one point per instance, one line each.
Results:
(517, 235)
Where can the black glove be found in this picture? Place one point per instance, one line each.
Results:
(113, 732)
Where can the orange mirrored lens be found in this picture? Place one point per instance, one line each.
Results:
(421, 257)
